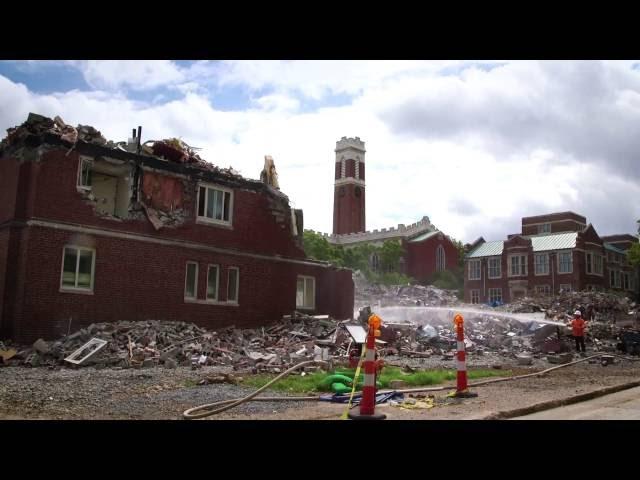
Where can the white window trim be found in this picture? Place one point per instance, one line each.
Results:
(593, 263)
(186, 277)
(313, 300)
(479, 269)
(237, 300)
(570, 253)
(526, 265)
(83, 290)
(207, 299)
(471, 292)
(495, 290)
(84, 188)
(212, 221)
(535, 264)
(546, 287)
(489, 267)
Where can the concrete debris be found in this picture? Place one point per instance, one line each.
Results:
(269, 174)
(401, 295)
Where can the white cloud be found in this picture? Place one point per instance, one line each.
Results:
(134, 74)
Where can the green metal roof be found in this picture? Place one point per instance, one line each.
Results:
(608, 246)
(424, 236)
(541, 243)
(557, 241)
(487, 249)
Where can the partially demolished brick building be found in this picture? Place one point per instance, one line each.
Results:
(95, 231)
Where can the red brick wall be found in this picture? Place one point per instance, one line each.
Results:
(348, 210)
(421, 257)
(254, 226)
(9, 171)
(139, 281)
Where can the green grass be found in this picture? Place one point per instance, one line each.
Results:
(294, 383)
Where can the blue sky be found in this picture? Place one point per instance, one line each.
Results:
(473, 145)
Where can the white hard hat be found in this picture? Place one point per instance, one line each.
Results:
(577, 312)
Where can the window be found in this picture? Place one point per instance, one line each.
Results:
(593, 263)
(518, 265)
(495, 295)
(84, 174)
(474, 269)
(565, 262)
(565, 287)
(191, 281)
(543, 289)
(541, 263)
(495, 267)
(78, 265)
(625, 281)
(475, 296)
(233, 285)
(215, 205)
(440, 259)
(616, 278)
(306, 292)
(544, 228)
(213, 273)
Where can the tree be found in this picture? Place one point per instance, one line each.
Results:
(390, 255)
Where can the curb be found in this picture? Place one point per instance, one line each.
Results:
(538, 407)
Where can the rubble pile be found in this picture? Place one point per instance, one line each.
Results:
(144, 344)
(172, 149)
(404, 295)
(599, 306)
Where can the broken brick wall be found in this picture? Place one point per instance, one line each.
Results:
(254, 227)
(139, 280)
(162, 192)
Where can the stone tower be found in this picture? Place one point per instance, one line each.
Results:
(348, 194)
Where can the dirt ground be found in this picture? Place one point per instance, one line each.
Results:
(158, 393)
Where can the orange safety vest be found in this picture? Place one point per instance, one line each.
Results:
(578, 327)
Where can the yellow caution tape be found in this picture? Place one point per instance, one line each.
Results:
(345, 415)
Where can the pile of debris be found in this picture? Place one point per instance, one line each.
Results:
(124, 344)
(171, 149)
(404, 295)
(600, 306)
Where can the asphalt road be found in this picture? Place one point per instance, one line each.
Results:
(623, 405)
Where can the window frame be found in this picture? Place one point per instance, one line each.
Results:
(536, 264)
(596, 260)
(186, 278)
(491, 295)
(473, 262)
(213, 221)
(499, 262)
(475, 292)
(305, 278)
(560, 287)
(441, 259)
(76, 289)
(570, 263)
(544, 228)
(543, 289)
(79, 185)
(521, 264)
(236, 301)
(217, 292)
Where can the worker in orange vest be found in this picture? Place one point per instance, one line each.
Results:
(578, 326)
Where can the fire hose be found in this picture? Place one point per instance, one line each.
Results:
(210, 409)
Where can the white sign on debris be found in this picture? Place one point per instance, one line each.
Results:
(85, 351)
(359, 334)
